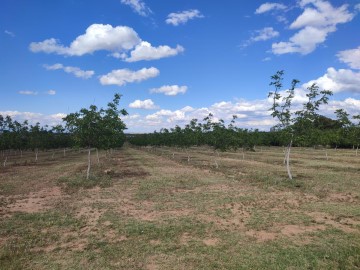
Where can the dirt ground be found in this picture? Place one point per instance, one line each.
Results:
(156, 209)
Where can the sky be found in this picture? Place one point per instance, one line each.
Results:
(173, 61)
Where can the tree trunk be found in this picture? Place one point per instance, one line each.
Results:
(216, 164)
(5, 161)
(64, 152)
(53, 154)
(36, 155)
(89, 164)
(326, 153)
(286, 150)
(357, 148)
(288, 161)
(97, 155)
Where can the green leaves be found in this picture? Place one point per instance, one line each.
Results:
(100, 128)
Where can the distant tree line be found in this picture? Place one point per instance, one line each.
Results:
(17, 135)
(305, 127)
(325, 132)
(93, 127)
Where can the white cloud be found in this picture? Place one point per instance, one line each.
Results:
(84, 74)
(255, 113)
(266, 7)
(51, 92)
(350, 57)
(118, 40)
(97, 37)
(248, 112)
(357, 7)
(170, 116)
(304, 42)
(317, 21)
(138, 6)
(321, 15)
(261, 35)
(251, 113)
(144, 51)
(146, 104)
(182, 17)
(27, 92)
(11, 34)
(265, 34)
(170, 90)
(342, 80)
(266, 59)
(131, 116)
(33, 117)
(122, 76)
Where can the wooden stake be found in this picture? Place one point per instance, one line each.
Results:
(89, 164)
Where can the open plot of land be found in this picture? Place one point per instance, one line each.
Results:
(169, 208)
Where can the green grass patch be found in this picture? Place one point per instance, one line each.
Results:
(76, 182)
(26, 233)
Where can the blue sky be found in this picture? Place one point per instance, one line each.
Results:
(174, 60)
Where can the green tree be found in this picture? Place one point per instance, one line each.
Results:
(100, 128)
(301, 124)
(281, 110)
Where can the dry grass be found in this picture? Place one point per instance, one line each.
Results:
(155, 210)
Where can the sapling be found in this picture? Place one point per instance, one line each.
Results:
(300, 123)
(281, 110)
(216, 163)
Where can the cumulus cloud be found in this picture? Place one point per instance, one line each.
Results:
(34, 117)
(97, 37)
(170, 90)
(170, 116)
(146, 104)
(144, 51)
(117, 40)
(51, 92)
(266, 7)
(84, 74)
(342, 80)
(122, 76)
(251, 114)
(255, 113)
(182, 17)
(138, 6)
(350, 57)
(28, 92)
(317, 21)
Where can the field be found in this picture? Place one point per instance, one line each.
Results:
(170, 208)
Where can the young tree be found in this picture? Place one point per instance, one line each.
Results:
(100, 128)
(281, 110)
(301, 124)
